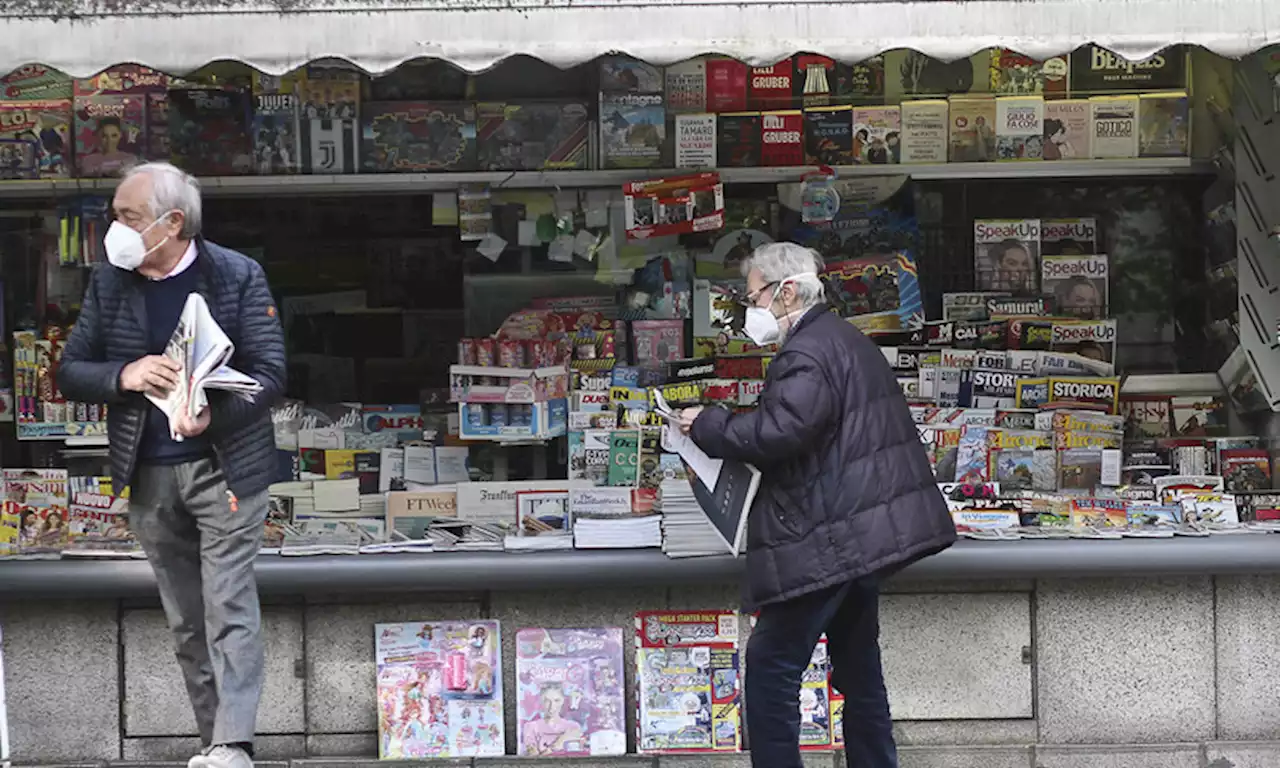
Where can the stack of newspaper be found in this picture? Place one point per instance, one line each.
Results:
(200, 346)
(686, 531)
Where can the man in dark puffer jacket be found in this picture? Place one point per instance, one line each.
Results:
(198, 493)
(846, 498)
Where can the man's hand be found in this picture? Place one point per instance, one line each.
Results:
(189, 427)
(686, 416)
(154, 375)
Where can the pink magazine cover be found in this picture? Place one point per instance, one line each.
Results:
(439, 689)
(569, 688)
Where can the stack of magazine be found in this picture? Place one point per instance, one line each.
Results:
(686, 530)
(200, 346)
(724, 490)
(620, 533)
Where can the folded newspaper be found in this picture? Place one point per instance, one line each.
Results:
(200, 346)
(723, 489)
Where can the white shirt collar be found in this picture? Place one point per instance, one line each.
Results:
(186, 261)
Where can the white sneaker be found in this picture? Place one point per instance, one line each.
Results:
(222, 757)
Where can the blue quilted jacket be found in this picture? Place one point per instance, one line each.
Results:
(111, 332)
(846, 489)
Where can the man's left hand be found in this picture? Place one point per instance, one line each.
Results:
(687, 416)
(189, 427)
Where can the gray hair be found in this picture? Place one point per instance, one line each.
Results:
(780, 261)
(173, 189)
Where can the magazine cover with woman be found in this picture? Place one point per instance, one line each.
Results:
(439, 689)
(570, 688)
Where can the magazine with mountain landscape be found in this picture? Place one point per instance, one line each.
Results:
(202, 349)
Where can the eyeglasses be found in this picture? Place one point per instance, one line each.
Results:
(751, 298)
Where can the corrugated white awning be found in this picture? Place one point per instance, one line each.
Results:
(82, 37)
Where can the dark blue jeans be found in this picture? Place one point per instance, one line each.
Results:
(777, 654)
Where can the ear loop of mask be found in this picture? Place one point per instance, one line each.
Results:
(147, 228)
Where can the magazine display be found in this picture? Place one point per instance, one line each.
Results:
(38, 497)
(439, 689)
(98, 520)
(569, 684)
(203, 350)
(687, 682)
(1007, 255)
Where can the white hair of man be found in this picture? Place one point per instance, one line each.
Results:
(798, 265)
(173, 189)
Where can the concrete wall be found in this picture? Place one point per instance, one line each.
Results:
(1047, 674)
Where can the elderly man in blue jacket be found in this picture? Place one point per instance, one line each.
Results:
(197, 503)
(846, 498)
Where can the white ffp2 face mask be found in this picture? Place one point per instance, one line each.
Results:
(761, 324)
(124, 245)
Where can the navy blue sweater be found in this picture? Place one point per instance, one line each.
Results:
(165, 300)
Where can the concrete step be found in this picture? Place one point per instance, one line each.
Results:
(1233, 754)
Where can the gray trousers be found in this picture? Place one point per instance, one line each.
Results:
(201, 543)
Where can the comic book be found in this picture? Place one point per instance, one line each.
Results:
(209, 131)
(1099, 513)
(569, 684)
(439, 688)
(1115, 126)
(1020, 128)
(1015, 74)
(41, 499)
(276, 131)
(1007, 254)
(972, 134)
(532, 135)
(688, 690)
(1068, 237)
(418, 137)
(1164, 128)
(96, 517)
(1067, 129)
(882, 291)
(877, 135)
(45, 126)
(1077, 284)
(1245, 469)
(111, 133)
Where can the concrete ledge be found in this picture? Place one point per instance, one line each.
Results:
(1244, 554)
